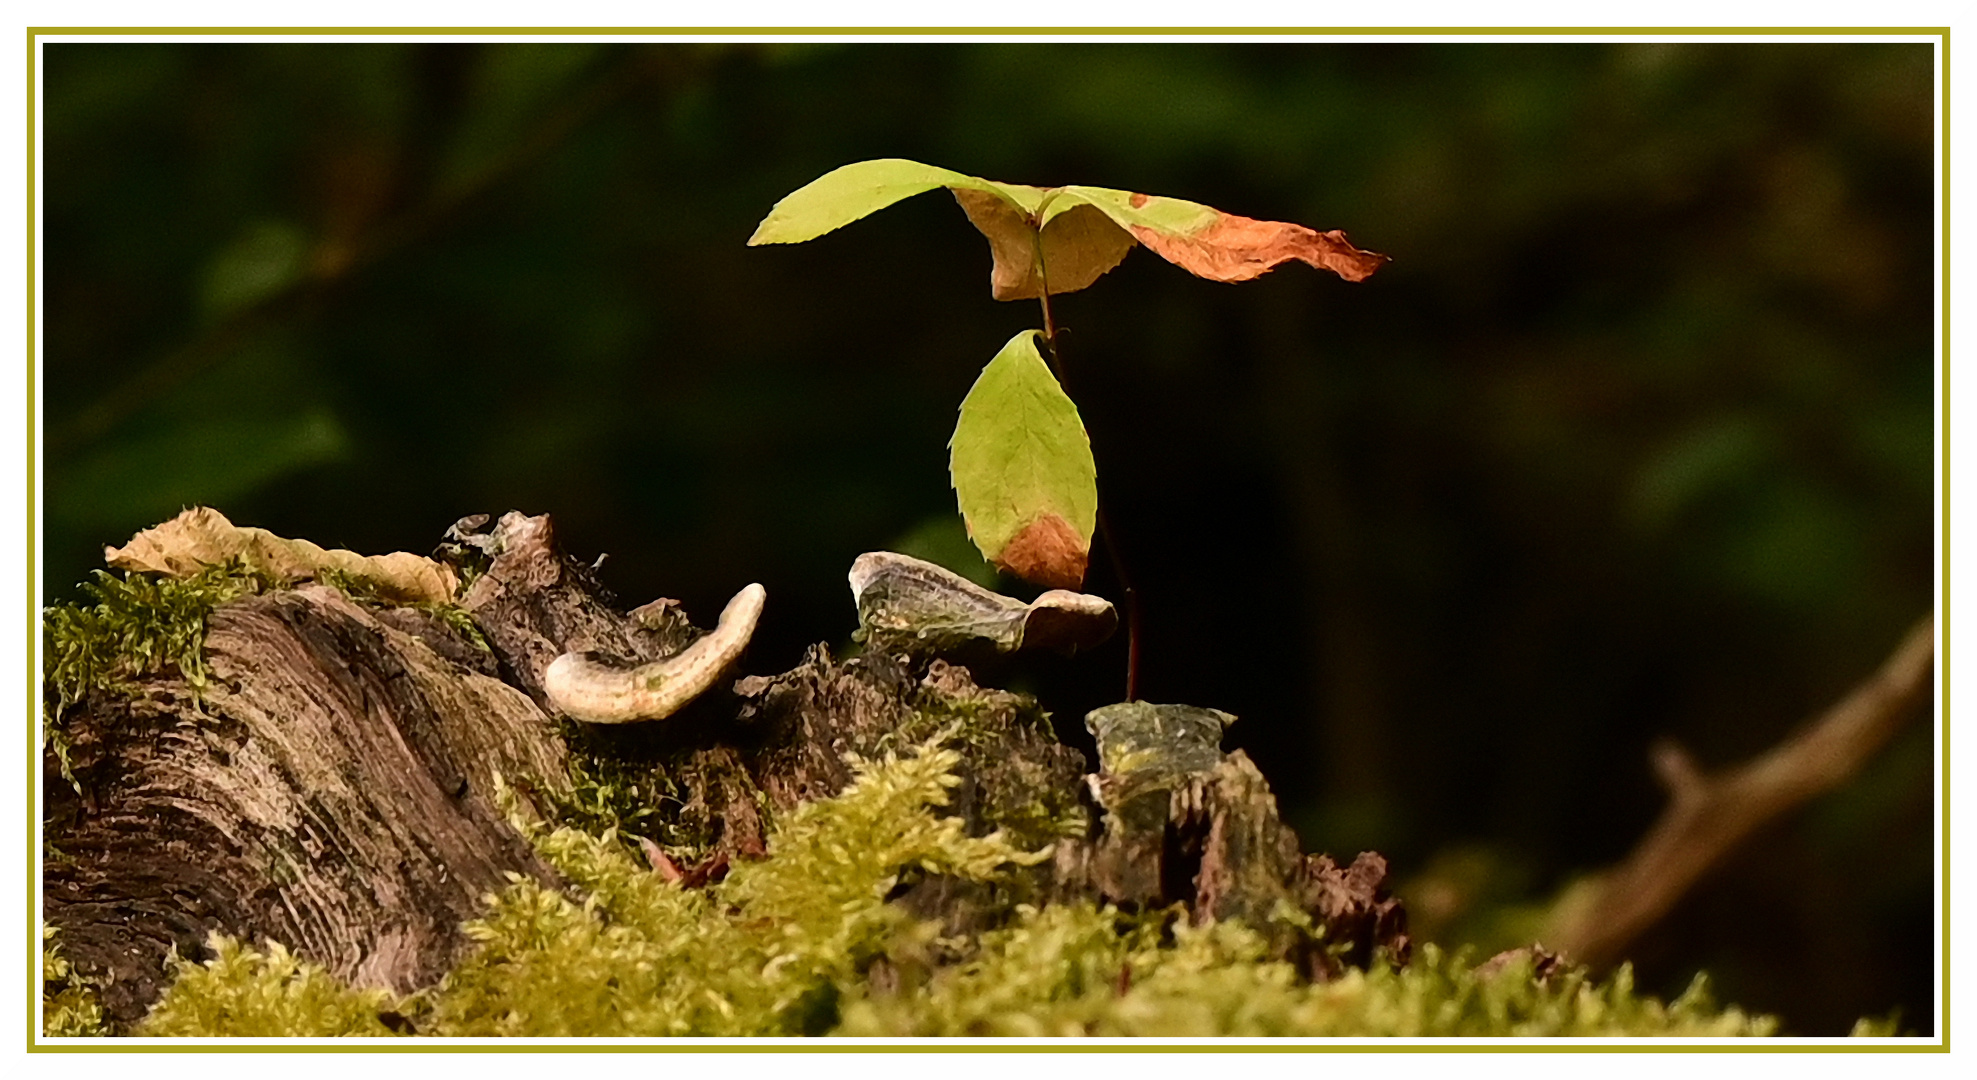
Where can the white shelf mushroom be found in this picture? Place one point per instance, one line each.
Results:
(599, 693)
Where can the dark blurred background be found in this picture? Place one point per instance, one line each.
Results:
(1632, 438)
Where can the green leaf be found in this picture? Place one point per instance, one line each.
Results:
(1174, 217)
(844, 195)
(1084, 231)
(1022, 469)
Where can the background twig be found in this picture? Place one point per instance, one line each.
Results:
(1708, 815)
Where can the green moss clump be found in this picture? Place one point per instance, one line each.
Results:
(245, 992)
(609, 795)
(770, 950)
(805, 942)
(136, 625)
(68, 1008)
(1033, 806)
(1074, 970)
(1877, 1027)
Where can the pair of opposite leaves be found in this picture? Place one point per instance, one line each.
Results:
(1020, 460)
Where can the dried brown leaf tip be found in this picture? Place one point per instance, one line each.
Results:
(1047, 552)
(1236, 248)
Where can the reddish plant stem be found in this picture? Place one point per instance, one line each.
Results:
(1105, 531)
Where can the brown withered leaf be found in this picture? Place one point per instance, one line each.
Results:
(1237, 248)
(1047, 552)
(1079, 246)
(203, 537)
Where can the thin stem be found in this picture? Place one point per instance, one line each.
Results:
(1049, 326)
(1105, 532)
(1132, 606)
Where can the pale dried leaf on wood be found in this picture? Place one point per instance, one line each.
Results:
(202, 537)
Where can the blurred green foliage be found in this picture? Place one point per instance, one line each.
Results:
(1634, 437)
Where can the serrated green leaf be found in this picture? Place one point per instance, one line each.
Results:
(1084, 231)
(845, 194)
(1174, 217)
(1023, 471)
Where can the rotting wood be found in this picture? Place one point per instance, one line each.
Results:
(332, 790)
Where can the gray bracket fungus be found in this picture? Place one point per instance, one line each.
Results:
(913, 606)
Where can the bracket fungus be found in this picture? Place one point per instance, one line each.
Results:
(601, 693)
(910, 605)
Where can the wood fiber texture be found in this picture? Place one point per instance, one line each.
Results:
(329, 790)
(332, 788)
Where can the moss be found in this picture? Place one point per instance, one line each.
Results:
(770, 950)
(245, 992)
(611, 795)
(68, 1007)
(134, 625)
(1877, 1027)
(801, 943)
(1032, 804)
(1076, 970)
(366, 592)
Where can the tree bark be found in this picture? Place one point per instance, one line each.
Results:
(333, 787)
(330, 790)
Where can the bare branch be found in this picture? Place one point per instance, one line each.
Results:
(1710, 814)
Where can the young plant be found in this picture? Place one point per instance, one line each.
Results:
(1020, 459)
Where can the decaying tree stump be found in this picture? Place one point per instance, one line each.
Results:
(333, 786)
(329, 790)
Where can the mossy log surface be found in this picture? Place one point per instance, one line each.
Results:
(329, 790)
(333, 787)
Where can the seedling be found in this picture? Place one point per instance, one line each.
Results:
(1020, 458)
